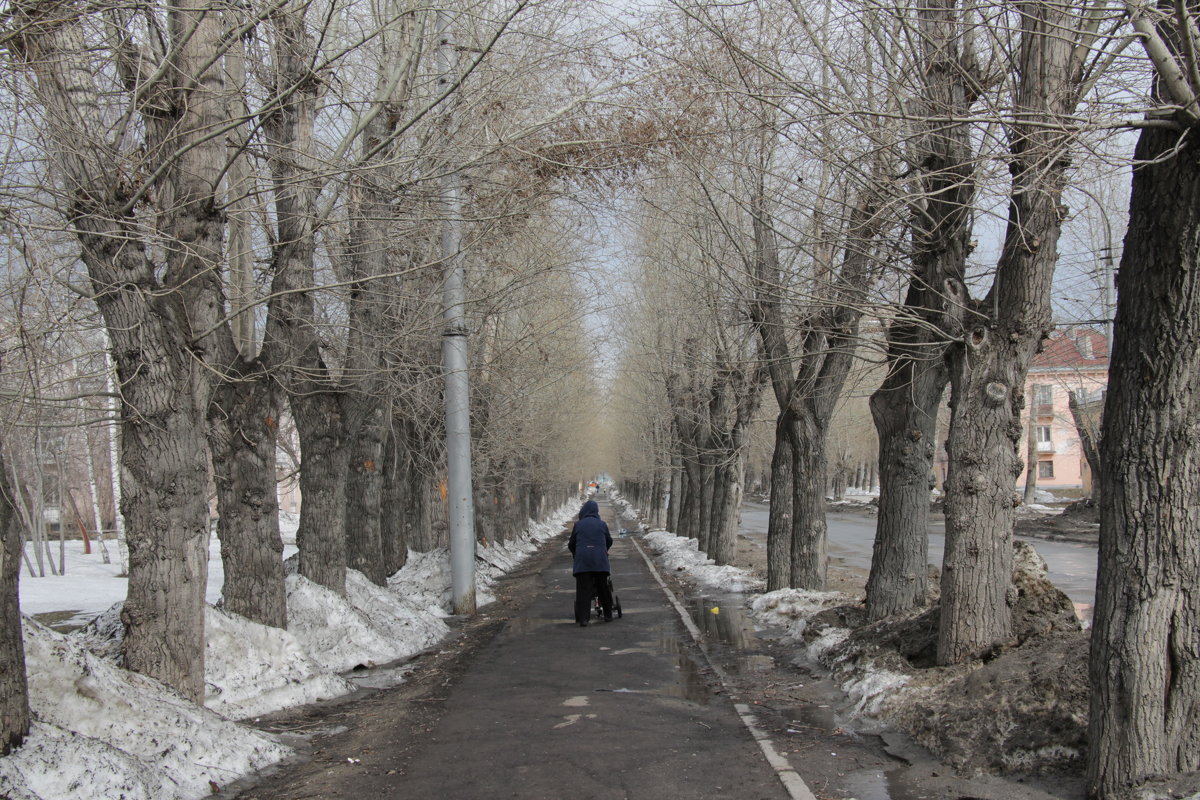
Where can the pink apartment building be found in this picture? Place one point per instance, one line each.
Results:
(1075, 359)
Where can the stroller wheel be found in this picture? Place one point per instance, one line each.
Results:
(617, 607)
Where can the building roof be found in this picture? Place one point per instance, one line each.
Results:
(1073, 348)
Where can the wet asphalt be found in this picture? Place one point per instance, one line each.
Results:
(624, 709)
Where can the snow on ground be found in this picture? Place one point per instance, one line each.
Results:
(370, 626)
(252, 669)
(103, 732)
(868, 685)
(683, 555)
(791, 609)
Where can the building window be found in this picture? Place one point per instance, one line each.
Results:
(1043, 394)
(1043, 434)
(1045, 469)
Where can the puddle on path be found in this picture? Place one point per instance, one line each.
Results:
(813, 716)
(722, 618)
(690, 681)
(874, 784)
(531, 624)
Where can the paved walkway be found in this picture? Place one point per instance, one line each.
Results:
(615, 710)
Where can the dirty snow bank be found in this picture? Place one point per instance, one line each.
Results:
(101, 731)
(105, 732)
(1022, 708)
(683, 555)
(425, 579)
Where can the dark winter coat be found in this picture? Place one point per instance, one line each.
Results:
(590, 540)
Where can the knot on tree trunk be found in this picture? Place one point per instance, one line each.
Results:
(995, 393)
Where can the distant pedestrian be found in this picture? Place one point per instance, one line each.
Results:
(589, 544)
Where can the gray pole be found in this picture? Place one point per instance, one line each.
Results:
(454, 362)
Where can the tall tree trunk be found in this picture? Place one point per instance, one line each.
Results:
(321, 535)
(724, 545)
(242, 428)
(394, 504)
(808, 568)
(1000, 336)
(1145, 648)
(906, 424)
(14, 693)
(779, 515)
(364, 496)
(158, 328)
(1031, 451)
(676, 499)
(292, 340)
(905, 406)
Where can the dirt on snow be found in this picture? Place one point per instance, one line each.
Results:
(1010, 724)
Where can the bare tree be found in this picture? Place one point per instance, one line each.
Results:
(14, 696)
(1143, 722)
(905, 405)
(999, 335)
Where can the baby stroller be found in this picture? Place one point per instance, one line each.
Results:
(616, 606)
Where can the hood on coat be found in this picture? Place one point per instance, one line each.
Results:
(590, 509)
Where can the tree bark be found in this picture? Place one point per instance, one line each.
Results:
(1031, 451)
(394, 505)
(159, 328)
(14, 692)
(1086, 430)
(292, 340)
(1000, 336)
(242, 425)
(1145, 647)
(676, 498)
(779, 514)
(320, 536)
(809, 556)
(905, 406)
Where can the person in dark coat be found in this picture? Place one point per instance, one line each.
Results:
(589, 544)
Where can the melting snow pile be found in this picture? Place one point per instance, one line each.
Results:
(253, 669)
(683, 555)
(425, 579)
(369, 626)
(791, 609)
(102, 731)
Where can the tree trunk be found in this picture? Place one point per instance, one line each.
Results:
(724, 544)
(808, 566)
(676, 498)
(364, 495)
(905, 406)
(160, 328)
(1145, 653)
(905, 411)
(394, 505)
(779, 515)
(1031, 459)
(242, 426)
(988, 367)
(1087, 441)
(689, 513)
(321, 536)
(708, 500)
(14, 694)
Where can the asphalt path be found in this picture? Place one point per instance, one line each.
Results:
(626, 709)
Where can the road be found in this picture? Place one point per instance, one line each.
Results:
(542, 709)
(1072, 565)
